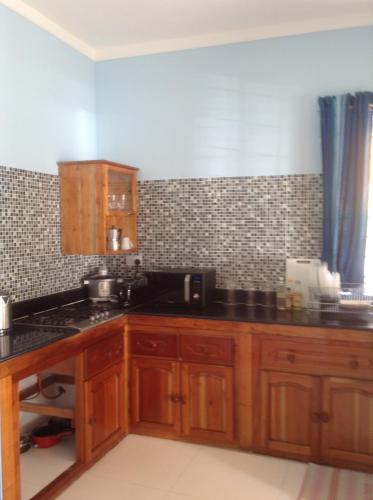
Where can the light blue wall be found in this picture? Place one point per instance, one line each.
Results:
(47, 98)
(243, 109)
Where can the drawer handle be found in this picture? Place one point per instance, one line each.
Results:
(203, 350)
(175, 399)
(149, 345)
(354, 364)
(291, 358)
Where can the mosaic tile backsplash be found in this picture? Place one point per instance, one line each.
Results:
(244, 227)
(31, 263)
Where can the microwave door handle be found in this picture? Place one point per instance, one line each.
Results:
(187, 288)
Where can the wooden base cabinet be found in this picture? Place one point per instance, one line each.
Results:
(288, 420)
(347, 427)
(155, 403)
(174, 399)
(207, 401)
(325, 419)
(105, 409)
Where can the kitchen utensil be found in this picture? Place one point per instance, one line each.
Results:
(50, 434)
(5, 313)
(24, 443)
(113, 238)
(126, 243)
(102, 286)
(266, 296)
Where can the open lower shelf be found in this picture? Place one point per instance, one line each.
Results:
(40, 466)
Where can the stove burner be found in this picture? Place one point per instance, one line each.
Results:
(81, 315)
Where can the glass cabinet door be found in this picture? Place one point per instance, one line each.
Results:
(120, 196)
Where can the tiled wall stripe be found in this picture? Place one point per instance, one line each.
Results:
(31, 263)
(245, 227)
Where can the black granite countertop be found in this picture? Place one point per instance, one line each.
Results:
(257, 314)
(22, 339)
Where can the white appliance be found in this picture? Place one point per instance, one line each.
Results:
(306, 271)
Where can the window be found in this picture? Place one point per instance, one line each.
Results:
(368, 268)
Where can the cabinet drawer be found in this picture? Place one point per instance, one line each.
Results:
(317, 358)
(154, 344)
(103, 354)
(206, 349)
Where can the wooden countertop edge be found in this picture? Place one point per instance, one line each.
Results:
(31, 362)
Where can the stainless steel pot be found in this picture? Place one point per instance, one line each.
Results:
(103, 286)
(5, 313)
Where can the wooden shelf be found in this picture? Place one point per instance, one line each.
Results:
(52, 411)
(120, 252)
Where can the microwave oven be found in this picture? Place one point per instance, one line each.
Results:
(187, 286)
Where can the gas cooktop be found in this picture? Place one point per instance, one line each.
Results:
(81, 315)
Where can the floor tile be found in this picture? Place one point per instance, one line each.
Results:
(293, 480)
(93, 487)
(178, 496)
(217, 474)
(41, 466)
(152, 462)
(28, 490)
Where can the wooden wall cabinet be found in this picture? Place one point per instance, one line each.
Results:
(96, 195)
(181, 398)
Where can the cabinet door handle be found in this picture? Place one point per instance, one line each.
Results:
(291, 358)
(324, 417)
(175, 399)
(354, 364)
(315, 417)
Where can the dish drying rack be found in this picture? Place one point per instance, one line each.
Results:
(348, 298)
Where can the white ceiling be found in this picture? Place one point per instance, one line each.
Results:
(105, 29)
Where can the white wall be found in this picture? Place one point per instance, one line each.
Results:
(242, 109)
(47, 98)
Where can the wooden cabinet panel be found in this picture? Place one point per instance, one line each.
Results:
(347, 423)
(207, 401)
(289, 411)
(154, 344)
(206, 349)
(104, 354)
(105, 409)
(155, 395)
(316, 358)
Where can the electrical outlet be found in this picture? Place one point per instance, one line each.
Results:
(132, 258)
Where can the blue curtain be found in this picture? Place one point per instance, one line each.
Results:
(346, 134)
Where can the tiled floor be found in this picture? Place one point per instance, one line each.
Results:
(143, 468)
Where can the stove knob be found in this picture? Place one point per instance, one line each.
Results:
(102, 315)
(106, 314)
(97, 316)
(92, 318)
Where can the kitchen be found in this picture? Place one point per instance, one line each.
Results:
(227, 142)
